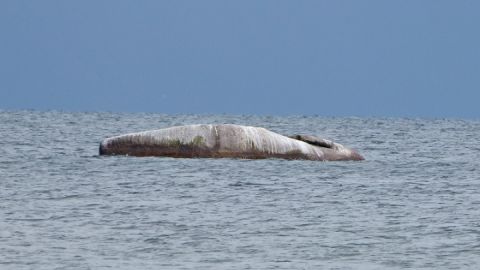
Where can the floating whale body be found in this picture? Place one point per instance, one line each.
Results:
(225, 141)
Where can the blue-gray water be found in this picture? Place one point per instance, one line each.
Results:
(414, 203)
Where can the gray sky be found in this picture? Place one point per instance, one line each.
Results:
(334, 58)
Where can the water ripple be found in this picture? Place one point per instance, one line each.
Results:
(412, 204)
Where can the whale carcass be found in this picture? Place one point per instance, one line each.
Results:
(225, 141)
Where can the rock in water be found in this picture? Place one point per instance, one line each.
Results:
(225, 141)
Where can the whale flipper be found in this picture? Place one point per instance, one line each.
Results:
(313, 140)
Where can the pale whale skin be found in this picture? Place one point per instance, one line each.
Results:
(225, 141)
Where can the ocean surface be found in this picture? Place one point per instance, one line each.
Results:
(413, 203)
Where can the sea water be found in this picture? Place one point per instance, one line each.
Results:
(413, 203)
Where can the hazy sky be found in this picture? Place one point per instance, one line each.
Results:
(334, 58)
